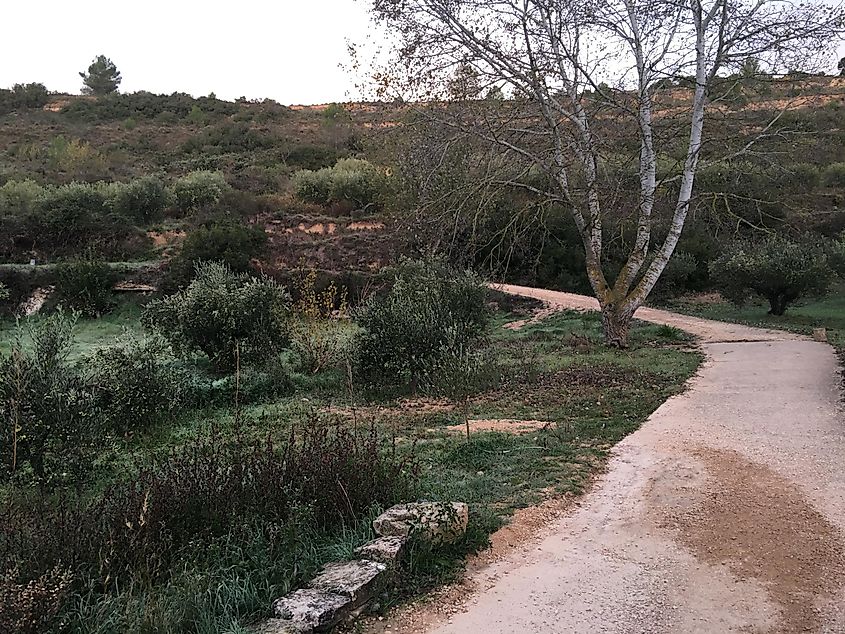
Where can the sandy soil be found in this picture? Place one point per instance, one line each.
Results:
(725, 512)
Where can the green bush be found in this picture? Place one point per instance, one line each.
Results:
(311, 157)
(142, 200)
(86, 286)
(23, 96)
(229, 137)
(776, 269)
(198, 189)
(136, 385)
(73, 208)
(20, 198)
(430, 309)
(48, 431)
(350, 181)
(225, 241)
(834, 175)
(836, 255)
(313, 187)
(222, 313)
(682, 267)
(803, 177)
(146, 105)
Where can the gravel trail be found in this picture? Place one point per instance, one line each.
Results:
(725, 512)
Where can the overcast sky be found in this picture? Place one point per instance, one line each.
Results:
(288, 50)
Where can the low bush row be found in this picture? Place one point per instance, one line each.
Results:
(142, 200)
(23, 96)
(353, 182)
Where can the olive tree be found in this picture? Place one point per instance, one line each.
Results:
(776, 269)
(225, 315)
(580, 74)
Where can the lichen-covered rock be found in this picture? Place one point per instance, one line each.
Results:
(387, 550)
(357, 580)
(280, 626)
(310, 610)
(436, 522)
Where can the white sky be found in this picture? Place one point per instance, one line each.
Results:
(288, 50)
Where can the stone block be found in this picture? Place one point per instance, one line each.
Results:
(387, 550)
(310, 610)
(357, 580)
(436, 522)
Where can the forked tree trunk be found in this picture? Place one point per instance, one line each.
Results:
(616, 324)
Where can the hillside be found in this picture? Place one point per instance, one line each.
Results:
(258, 146)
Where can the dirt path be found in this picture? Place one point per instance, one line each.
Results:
(725, 512)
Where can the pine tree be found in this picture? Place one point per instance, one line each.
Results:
(102, 77)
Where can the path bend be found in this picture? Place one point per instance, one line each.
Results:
(724, 512)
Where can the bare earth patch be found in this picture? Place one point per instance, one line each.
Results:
(759, 525)
(507, 425)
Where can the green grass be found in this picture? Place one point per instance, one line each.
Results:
(827, 312)
(556, 371)
(89, 334)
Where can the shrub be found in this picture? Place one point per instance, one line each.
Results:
(313, 187)
(47, 421)
(20, 198)
(430, 308)
(352, 181)
(319, 340)
(146, 105)
(198, 189)
(23, 96)
(229, 137)
(803, 177)
(311, 157)
(137, 529)
(142, 200)
(136, 384)
(776, 269)
(76, 158)
(29, 607)
(682, 267)
(86, 286)
(224, 241)
(836, 255)
(356, 181)
(834, 175)
(459, 373)
(222, 312)
(70, 211)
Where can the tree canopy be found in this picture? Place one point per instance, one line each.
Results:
(588, 118)
(102, 77)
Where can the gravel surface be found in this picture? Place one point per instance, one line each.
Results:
(725, 512)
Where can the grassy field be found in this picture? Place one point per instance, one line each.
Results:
(827, 312)
(586, 397)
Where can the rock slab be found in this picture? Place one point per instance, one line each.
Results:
(387, 550)
(309, 610)
(357, 580)
(435, 522)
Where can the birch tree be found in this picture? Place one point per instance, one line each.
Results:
(576, 71)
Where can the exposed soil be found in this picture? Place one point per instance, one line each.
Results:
(759, 525)
(507, 425)
(725, 512)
